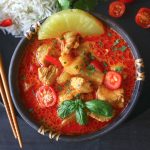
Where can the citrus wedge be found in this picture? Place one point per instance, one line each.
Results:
(70, 20)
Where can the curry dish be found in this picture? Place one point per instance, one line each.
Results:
(75, 84)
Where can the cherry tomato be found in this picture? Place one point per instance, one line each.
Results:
(112, 80)
(143, 17)
(53, 61)
(116, 9)
(6, 23)
(97, 65)
(126, 1)
(46, 96)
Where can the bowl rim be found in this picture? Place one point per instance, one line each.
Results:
(118, 120)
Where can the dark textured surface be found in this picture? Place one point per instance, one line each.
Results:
(134, 134)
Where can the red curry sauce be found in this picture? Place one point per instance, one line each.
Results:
(109, 47)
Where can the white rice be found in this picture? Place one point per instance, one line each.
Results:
(24, 13)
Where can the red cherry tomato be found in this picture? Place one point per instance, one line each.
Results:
(53, 61)
(112, 80)
(97, 65)
(46, 96)
(116, 9)
(126, 1)
(143, 17)
(6, 23)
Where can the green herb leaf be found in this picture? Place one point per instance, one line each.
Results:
(79, 103)
(105, 64)
(100, 43)
(66, 108)
(119, 68)
(65, 4)
(76, 67)
(116, 42)
(114, 48)
(59, 88)
(81, 116)
(85, 4)
(109, 34)
(99, 107)
(123, 48)
(90, 68)
(91, 56)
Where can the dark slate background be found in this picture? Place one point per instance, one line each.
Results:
(133, 134)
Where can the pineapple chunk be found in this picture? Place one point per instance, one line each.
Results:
(64, 77)
(75, 66)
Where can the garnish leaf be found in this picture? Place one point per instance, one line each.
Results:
(66, 109)
(85, 4)
(81, 116)
(116, 42)
(109, 34)
(123, 48)
(90, 68)
(100, 43)
(105, 64)
(119, 68)
(65, 4)
(99, 107)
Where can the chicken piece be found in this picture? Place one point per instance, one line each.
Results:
(42, 51)
(99, 118)
(63, 78)
(66, 94)
(72, 66)
(115, 97)
(68, 41)
(81, 85)
(68, 120)
(47, 75)
(65, 60)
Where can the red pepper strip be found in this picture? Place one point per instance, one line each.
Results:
(97, 65)
(53, 61)
(6, 23)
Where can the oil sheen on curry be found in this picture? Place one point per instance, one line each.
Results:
(76, 84)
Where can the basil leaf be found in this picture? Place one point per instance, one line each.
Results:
(99, 107)
(65, 4)
(66, 108)
(81, 116)
(79, 103)
(85, 4)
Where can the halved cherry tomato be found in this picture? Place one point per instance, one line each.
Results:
(116, 9)
(53, 61)
(126, 1)
(97, 65)
(6, 23)
(46, 96)
(112, 80)
(143, 17)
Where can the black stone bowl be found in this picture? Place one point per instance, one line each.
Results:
(13, 83)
